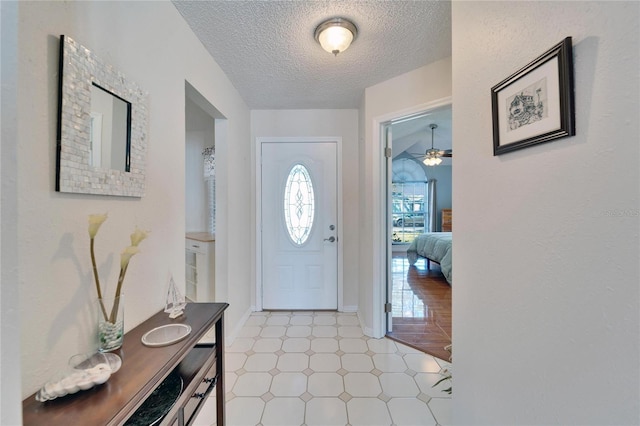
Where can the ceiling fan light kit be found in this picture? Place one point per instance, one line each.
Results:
(336, 35)
(432, 158)
(432, 155)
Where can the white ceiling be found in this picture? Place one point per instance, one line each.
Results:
(268, 51)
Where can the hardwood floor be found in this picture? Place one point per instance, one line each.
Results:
(421, 306)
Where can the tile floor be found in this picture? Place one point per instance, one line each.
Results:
(317, 368)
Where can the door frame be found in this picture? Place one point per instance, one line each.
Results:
(381, 253)
(258, 200)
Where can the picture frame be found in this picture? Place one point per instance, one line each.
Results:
(536, 103)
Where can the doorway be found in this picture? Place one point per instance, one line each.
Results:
(205, 129)
(298, 225)
(418, 308)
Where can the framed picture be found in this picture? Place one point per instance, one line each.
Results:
(535, 104)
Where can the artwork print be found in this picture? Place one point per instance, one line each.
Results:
(536, 103)
(528, 106)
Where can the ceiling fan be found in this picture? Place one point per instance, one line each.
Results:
(433, 156)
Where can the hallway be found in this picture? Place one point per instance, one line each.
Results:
(318, 368)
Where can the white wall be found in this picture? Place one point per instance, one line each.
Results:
(319, 123)
(398, 95)
(10, 397)
(154, 47)
(200, 132)
(546, 301)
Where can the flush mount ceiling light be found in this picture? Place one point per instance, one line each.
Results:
(335, 35)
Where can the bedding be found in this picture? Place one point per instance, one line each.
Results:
(433, 246)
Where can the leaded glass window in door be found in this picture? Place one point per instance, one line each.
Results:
(299, 204)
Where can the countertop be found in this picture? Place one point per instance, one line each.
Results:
(205, 237)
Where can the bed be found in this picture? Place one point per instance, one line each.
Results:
(434, 247)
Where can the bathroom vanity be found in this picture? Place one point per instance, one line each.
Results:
(199, 365)
(200, 261)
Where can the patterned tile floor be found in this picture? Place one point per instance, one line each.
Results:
(317, 368)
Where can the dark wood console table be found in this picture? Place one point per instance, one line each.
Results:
(201, 367)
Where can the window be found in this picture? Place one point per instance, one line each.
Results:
(299, 206)
(409, 214)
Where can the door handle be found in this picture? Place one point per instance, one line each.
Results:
(330, 239)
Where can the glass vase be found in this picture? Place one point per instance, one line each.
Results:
(110, 323)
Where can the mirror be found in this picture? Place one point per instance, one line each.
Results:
(110, 142)
(102, 127)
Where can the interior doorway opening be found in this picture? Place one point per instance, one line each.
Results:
(205, 128)
(418, 308)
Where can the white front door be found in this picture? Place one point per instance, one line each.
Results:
(299, 225)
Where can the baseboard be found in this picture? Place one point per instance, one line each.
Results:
(350, 308)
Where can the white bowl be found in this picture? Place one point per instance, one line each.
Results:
(166, 335)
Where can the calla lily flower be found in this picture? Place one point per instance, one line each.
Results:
(95, 220)
(137, 236)
(126, 255)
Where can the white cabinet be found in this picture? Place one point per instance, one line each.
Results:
(200, 268)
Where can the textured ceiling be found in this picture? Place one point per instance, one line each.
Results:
(268, 51)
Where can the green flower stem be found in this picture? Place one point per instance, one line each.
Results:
(97, 280)
(116, 302)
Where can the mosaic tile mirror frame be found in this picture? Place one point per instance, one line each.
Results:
(81, 72)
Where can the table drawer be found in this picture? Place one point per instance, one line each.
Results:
(197, 246)
(196, 370)
(199, 397)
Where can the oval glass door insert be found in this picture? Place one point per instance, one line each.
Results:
(299, 206)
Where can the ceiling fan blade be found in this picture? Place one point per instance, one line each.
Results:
(445, 153)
